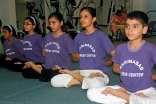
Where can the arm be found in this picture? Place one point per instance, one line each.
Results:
(109, 62)
(116, 68)
(154, 76)
(121, 93)
(75, 57)
(43, 52)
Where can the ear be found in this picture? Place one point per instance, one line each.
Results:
(34, 26)
(11, 33)
(61, 23)
(94, 19)
(145, 29)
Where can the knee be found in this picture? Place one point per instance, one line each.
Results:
(55, 81)
(98, 82)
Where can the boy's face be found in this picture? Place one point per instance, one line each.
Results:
(134, 29)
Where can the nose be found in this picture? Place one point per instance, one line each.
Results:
(130, 29)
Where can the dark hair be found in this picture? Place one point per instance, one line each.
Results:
(42, 17)
(59, 17)
(34, 22)
(92, 11)
(10, 28)
(138, 15)
(123, 8)
(118, 11)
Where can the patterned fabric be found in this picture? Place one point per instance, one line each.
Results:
(117, 23)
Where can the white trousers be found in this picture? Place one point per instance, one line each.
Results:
(95, 95)
(62, 80)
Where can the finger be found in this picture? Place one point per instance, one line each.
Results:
(103, 92)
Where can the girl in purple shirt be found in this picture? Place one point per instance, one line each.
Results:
(13, 49)
(57, 46)
(31, 47)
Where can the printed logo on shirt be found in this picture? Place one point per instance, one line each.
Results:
(9, 53)
(53, 43)
(134, 62)
(30, 45)
(87, 46)
(132, 74)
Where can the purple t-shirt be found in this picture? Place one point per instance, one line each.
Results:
(32, 48)
(57, 51)
(92, 49)
(135, 66)
(14, 49)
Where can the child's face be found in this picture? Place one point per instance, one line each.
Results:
(28, 26)
(6, 34)
(86, 19)
(134, 29)
(55, 24)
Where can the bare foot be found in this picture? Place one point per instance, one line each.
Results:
(65, 71)
(56, 67)
(29, 64)
(141, 95)
(106, 91)
(8, 59)
(18, 63)
(97, 74)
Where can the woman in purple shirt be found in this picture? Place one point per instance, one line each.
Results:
(13, 49)
(90, 48)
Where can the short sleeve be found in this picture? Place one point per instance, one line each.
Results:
(76, 46)
(154, 56)
(115, 58)
(69, 44)
(107, 44)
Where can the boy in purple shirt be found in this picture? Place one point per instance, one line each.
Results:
(13, 49)
(57, 47)
(90, 46)
(134, 61)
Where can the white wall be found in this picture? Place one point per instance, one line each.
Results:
(7, 12)
(22, 12)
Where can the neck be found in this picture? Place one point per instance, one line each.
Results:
(9, 40)
(135, 44)
(58, 33)
(31, 33)
(89, 30)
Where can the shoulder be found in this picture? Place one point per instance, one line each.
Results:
(37, 35)
(122, 46)
(48, 35)
(5, 42)
(100, 33)
(66, 35)
(79, 35)
(15, 39)
(149, 46)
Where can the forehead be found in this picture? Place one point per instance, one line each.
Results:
(27, 20)
(5, 29)
(84, 12)
(133, 22)
(53, 19)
